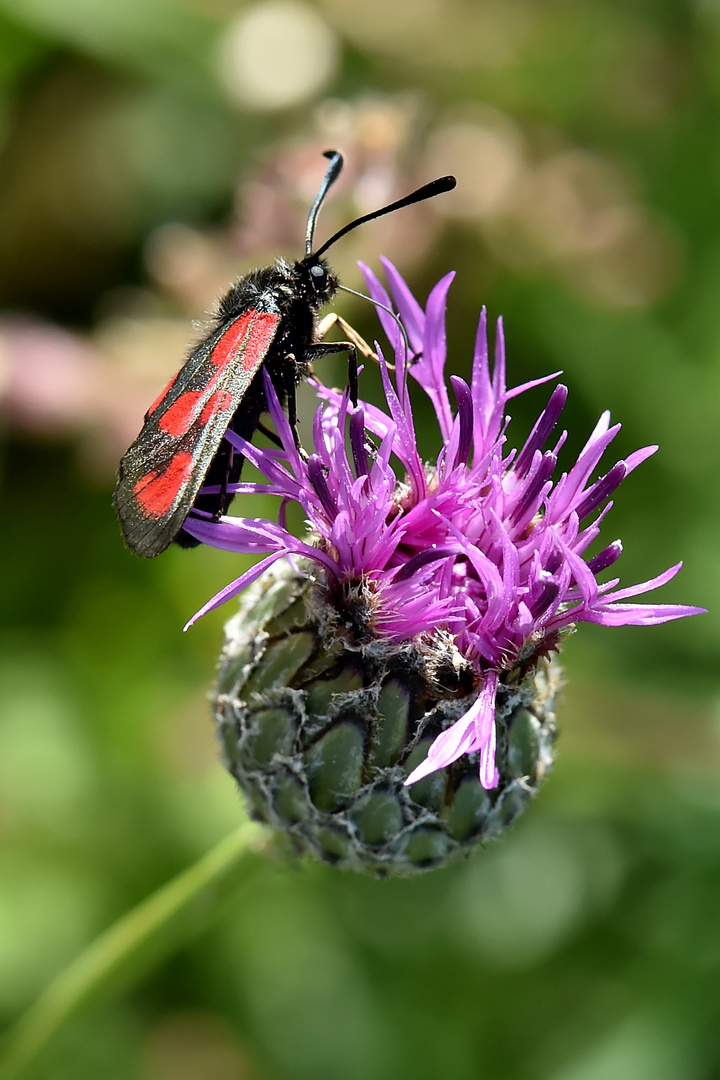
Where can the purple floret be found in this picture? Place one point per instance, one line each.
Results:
(483, 544)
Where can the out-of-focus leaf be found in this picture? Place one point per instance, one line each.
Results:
(155, 38)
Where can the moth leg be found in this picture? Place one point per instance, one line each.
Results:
(271, 435)
(230, 474)
(224, 469)
(291, 395)
(333, 319)
(332, 348)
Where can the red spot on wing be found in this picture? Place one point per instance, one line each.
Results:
(248, 339)
(177, 417)
(182, 413)
(156, 491)
(252, 334)
(161, 396)
(220, 401)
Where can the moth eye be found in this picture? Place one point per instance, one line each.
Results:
(317, 271)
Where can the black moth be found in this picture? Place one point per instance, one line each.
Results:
(267, 319)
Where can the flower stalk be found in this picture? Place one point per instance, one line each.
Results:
(137, 941)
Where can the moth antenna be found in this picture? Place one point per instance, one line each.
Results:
(427, 191)
(333, 171)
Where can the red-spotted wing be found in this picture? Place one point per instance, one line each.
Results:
(162, 472)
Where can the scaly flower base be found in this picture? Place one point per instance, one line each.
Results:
(321, 723)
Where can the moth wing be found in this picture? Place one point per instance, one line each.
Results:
(162, 472)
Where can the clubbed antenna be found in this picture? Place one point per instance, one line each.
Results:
(333, 171)
(427, 191)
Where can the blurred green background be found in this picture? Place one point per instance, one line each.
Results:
(149, 153)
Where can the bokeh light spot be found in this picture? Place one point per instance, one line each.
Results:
(277, 54)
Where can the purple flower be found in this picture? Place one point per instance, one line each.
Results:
(485, 544)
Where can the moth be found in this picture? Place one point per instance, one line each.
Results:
(268, 319)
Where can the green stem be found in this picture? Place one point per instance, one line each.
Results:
(138, 939)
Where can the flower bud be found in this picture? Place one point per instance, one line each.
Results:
(321, 722)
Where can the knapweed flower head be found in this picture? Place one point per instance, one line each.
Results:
(479, 560)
